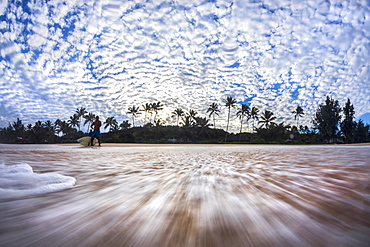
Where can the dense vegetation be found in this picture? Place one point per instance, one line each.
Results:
(331, 124)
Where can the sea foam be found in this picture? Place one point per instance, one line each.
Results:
(20, 181)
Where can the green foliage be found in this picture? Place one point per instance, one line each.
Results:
(274, 133)
(80, 113)
(178, 113)
(348, 125)
(298, 112)
(362, 133)
(112, 123)
(89, 118)
(254, 114)
(327, 120)
(118, 137)
(134, 111)
(258, 141)
(74, 120)
(213, 110)
(229, 103)
(196, 129)
(267, 119)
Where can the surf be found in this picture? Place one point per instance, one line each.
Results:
(21, 181)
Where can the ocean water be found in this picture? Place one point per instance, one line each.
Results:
(184, 195)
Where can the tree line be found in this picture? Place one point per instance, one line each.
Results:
(330, 124)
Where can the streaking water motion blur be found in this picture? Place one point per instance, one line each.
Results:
(192, 195)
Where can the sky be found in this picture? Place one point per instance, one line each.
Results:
(107, 55)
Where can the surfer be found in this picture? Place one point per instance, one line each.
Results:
(96, 133)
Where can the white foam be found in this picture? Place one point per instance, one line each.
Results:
(20, 181)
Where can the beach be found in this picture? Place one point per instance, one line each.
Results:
(187, 195)
(209, 145)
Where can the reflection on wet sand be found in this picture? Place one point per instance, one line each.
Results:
(193, 196)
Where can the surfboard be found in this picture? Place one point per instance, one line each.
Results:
(85, 141)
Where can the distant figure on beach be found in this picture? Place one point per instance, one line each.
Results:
(96, 133)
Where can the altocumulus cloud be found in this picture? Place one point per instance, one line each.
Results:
(57, 56)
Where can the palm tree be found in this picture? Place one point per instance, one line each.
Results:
(267, 119)
(89, 118)
(243, 111)
(135, 112)
(49, 126)
(18, 127)
(193, 114)
(125, 125)
(156, 107)
(62, 127)
(159, 123)
(229, 103)
(58, 126)
(112, 123)
(298, 113)
(178, 113)
(80, 113)
(253, 113)
(213, 110)
(73, 120)
(203, 124)
(147, 108)
(188, 121)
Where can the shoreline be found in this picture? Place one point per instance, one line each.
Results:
(191, 144)
(210, 144)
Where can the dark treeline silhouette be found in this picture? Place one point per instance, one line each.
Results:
(330, 124)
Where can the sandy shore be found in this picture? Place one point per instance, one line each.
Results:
(189, 195)
(169, 145)
(144, 145)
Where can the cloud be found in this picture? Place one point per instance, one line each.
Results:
(106, 56)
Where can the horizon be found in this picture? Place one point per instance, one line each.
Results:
(247, 124)
(108, 56)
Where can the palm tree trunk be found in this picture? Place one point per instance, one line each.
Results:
(214, 126)
(88, 126)
(241, 127)
(227, 126)
(297, 123)
(253, 128)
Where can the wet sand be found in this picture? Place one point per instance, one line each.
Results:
(193, 195)
(166, 145)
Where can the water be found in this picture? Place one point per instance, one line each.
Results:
(20, 181)
(191, 195)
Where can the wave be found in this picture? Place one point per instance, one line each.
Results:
(20, 181)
